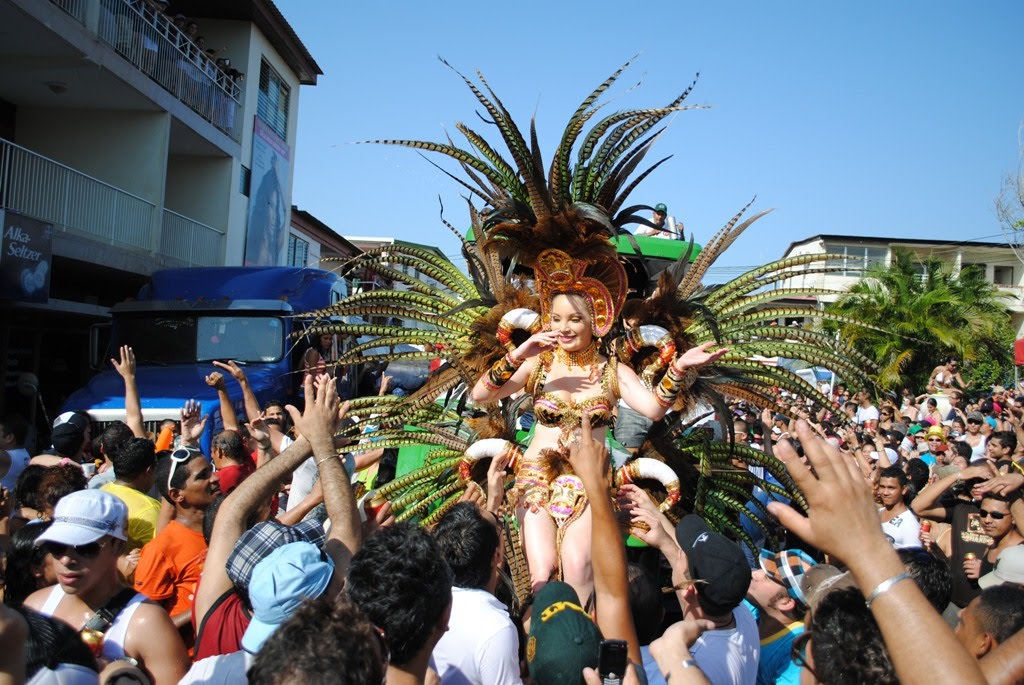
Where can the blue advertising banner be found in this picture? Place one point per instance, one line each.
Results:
(25, 256)
(266, 239)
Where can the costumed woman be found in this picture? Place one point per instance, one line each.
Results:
(562, 368)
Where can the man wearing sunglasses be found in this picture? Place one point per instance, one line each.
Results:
(87, 535)
(979, 533)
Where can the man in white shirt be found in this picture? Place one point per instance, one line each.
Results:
(898, 523)
(481, 646)
(867, 413)
(715, 579)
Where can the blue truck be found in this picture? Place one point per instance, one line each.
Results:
(184, 319)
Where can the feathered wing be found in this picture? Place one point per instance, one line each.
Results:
(576, 206)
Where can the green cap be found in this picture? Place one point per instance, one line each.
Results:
(660, 207)
(563, 638)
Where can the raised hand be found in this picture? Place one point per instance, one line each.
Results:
(1002, 484)
(496, 480)
(192, 426)
(323, 411)
(842, 518)
(259, 431)
(126, 367)
(647, 527)
(232, 368)
(699, 356)
(216, 380)
(535, 344)
(589, 459)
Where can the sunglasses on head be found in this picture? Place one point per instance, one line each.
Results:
(994, 515)
(178, 456)
(88, 551)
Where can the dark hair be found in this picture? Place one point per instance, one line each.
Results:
(134, 457)
(931, 575)
(1005, 438)
(894, 472)
(22, 558)
(26, 489)
(1000, 610)
(846, 643)
(645, 603)
(59, 481)
(114, 438)
(962, 449)
(210, 516)
(50, 643)
(163, 471)
(67, 442)
(918, 474)
(229, 442)
(16, 425)
(467, 542)
(324, 641)
(402, 583)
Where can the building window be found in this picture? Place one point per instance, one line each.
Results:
(1003, 275)
(244, 179)
(964, 266)
(272, 102)
(855, 258)
(298, 251)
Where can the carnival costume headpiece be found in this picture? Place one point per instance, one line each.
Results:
(561, 224)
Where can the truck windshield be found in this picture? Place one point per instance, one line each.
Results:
(184, 338)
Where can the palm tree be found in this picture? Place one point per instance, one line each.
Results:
(915, 313)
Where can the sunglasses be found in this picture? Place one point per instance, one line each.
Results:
(994, 515)
(974, 421)
(179, 456)
(798, 652)
(59, 549)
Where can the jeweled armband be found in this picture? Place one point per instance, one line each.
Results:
(501, 372)
(674, 382)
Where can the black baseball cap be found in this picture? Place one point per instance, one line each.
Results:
(717, 564)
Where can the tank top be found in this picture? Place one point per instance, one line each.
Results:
(113, 639)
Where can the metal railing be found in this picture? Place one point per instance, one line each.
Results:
(150, 41)
(40, 187)
(76, 8)
(191, 241)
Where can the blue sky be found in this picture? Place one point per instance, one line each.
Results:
(871, 118)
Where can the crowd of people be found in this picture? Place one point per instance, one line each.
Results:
(134, 557)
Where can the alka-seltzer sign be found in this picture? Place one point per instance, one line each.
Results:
(25, 256)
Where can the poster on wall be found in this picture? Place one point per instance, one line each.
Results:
(25, 257)
(266, 236)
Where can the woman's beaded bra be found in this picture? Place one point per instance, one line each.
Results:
(554, 411)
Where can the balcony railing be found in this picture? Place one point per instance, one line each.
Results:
(191, 241)
(150, 41)
(72, 201)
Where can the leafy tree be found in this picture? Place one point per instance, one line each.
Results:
(916, 313)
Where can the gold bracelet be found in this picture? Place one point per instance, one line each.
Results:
(327, 458)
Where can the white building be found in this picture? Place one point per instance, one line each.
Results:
(136, 144)
(1001, 265)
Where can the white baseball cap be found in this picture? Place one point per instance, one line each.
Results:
(85, 516)
(1009, 568)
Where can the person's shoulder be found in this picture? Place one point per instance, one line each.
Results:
(37, 599)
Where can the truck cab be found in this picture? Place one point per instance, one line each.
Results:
(185, 319)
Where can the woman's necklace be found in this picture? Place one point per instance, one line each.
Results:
(580, 359)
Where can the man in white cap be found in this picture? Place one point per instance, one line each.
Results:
(280, 583)
(87, 535)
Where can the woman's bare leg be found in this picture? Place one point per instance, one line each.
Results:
(577, 569)
(539, 545)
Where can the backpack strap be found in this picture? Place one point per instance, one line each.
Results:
(106, 614)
